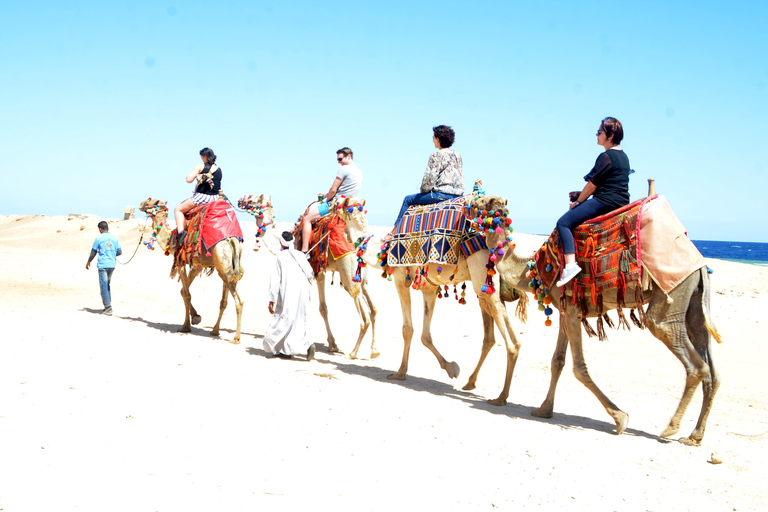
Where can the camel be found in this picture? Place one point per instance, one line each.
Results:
(681, 321)
(350, 210)
(225, 258)
(473, 269)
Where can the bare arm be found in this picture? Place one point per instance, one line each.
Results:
(192, 175)
(334, 188)
(586, 192)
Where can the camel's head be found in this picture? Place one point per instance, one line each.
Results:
(490, 215)
(156, 209)
(260, 207)
(352, 211)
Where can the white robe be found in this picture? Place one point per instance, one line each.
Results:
(290, 290)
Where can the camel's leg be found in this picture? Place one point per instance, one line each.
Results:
(365, 322)
(558, 363)
(429, 294)
(190, 315)
(493, 305)
(222, 306)
(489, 340)
(372, 309)
(404, 292)
(697, 320)
(332, 347)
(582, 374)
(668, 323)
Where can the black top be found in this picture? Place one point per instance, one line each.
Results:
(205, 187)
(611, 177)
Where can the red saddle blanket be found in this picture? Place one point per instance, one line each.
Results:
(606, 249)
(206, 226)
(616, 248)
(327, 237)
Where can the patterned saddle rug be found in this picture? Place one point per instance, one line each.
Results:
(327, 237)
(606, 251)
(435, 233)
(207, 225)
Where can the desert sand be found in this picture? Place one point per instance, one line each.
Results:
(123, 413)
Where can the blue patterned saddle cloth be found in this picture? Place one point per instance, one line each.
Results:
(434, 233)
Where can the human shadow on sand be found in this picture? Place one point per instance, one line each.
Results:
(445, 390)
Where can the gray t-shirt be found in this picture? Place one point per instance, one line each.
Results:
(351, 181)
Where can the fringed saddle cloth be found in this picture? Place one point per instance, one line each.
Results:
(327, 236)
(606, 250)
(207, 225)
(435, 233)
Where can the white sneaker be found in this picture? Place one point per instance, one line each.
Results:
(570, 271)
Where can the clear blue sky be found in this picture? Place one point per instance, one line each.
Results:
(107, 103)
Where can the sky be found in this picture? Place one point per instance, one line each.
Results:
(105, 104)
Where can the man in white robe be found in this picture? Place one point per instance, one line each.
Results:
(289, 301)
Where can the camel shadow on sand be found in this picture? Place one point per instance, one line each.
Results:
(446, 390)
(197, 330)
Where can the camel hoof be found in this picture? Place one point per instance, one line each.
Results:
(396, 376)
(689, 441)
(353, 355)
(469, 386)
(453, 369)
(498, 402)
(669, 431)
(235, 342)
(542, 412)
(184, 329)
(214, 333)
(375, 354)
(333, 349)
(196, 319)
(621, 422)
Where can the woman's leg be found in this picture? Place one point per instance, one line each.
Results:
(572, 219)
(421, 199)
(179, 212)
(313, 213)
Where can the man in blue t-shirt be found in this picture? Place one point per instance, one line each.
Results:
(107, 246)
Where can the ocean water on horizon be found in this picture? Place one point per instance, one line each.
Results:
(744, 252)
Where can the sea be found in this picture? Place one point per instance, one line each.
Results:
(754, 253)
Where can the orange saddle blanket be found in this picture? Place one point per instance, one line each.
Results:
(327, 237)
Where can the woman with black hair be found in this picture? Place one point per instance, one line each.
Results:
(443, 179)
(208, 176)
(607, 183)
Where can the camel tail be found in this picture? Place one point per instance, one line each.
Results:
(237, 264)
(708, 322)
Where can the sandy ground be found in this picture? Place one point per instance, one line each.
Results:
(124, 414)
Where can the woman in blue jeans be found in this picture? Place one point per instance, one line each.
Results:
(443, 179)
(607, 183)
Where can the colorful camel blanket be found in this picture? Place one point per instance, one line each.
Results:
(435, 233)
(606, 249)
(206, 226)
(616, 248)
(328, 236)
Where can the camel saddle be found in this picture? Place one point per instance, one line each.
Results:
(327, 236)
(207, 225)
(435, 233)
(614, 250)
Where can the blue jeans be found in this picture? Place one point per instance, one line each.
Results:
(105, 276)
(421, 199)
(589, 209)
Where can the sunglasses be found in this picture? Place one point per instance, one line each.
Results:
(599, 132)
(339, 158)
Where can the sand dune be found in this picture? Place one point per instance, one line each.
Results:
(123, 413)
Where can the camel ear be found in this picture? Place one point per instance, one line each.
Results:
(363, 203)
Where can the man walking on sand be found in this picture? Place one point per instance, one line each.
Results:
(107, 246)
(289, 299)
